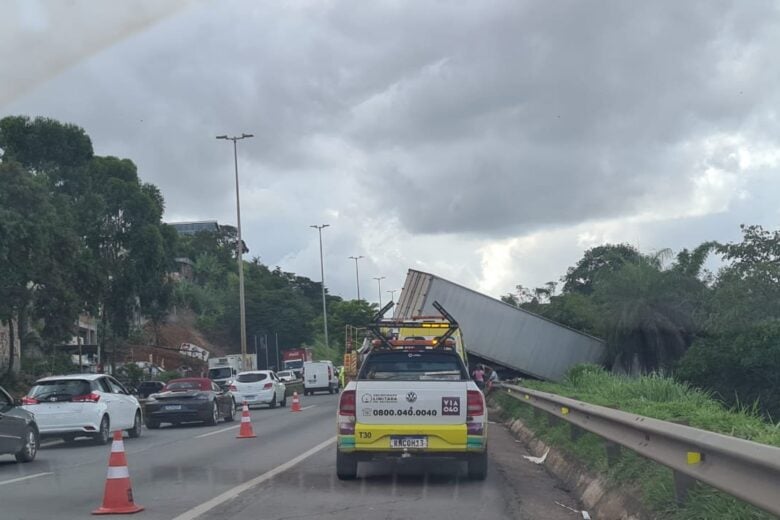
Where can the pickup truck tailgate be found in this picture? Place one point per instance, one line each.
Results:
(411, 402)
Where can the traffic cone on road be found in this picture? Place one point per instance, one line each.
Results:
(118, 496)
(246, 431)
(296, 404)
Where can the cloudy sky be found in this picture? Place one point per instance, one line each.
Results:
(489, 141)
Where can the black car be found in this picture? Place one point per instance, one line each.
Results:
(147, 388)
(189, 400)
(18, 431)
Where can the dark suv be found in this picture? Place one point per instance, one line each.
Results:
(18, 431)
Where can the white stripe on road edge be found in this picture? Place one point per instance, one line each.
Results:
(195, 512)
(217, 431)
(28, 477)
(307, 407)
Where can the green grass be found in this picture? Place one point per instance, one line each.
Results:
(652, 396)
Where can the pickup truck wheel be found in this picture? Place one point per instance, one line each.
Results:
(346, 466)
(478, 465)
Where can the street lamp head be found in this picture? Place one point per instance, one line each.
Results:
(244, 136)
(222, 137)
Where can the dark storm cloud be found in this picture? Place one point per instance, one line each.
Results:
(491, 119)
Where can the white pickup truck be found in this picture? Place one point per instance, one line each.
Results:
(412, 399)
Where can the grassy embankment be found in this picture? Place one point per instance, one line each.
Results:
(661, 398)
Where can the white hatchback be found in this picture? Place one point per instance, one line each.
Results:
(83, 405)
(259, 387)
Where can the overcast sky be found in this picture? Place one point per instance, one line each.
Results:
(489, 142)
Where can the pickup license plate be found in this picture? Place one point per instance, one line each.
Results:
(408, 442)
(173, 407)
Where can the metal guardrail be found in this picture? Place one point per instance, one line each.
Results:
(744, 469)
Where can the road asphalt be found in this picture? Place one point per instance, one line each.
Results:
(286, 472)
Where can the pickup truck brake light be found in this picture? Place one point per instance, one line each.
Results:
(475, 412)
(347, 413)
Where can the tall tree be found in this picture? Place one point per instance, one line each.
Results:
(597, 261)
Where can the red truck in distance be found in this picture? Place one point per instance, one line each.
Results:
(293, 358)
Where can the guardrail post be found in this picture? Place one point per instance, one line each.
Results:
(552, 420)
(613, 452)
(682, 484)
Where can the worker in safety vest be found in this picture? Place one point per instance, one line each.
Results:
(342, 377)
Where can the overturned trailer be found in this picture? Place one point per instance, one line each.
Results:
(500, 333)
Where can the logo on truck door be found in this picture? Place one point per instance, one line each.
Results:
(450, 405)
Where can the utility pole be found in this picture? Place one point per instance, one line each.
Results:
(322, 277)
(379, 286)
(392, 294)
(239, 246)
(357, 274)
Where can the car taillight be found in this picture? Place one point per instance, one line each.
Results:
(267, 386)
(347, 413)
(233, 388)
(93, 397)
(329, 373)
(29, 400)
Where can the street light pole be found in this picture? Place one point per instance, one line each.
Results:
(357, 274)
(322, 277)
(379, 286)
(392, 294)
(239, 248)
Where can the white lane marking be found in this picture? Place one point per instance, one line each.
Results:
(307, 407)
(28, 477)
(230, 494)
(209, 434)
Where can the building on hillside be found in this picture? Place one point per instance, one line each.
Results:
(5, 346)
(194, 227)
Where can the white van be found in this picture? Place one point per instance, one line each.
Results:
(319, 376)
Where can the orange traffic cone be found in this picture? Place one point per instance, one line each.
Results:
(246, 431)
(118, 496)
(296, 404)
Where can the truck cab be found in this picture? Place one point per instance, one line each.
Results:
(412, 397)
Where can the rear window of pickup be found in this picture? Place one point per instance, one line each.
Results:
(413, 366)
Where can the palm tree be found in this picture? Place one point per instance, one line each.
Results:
(648, 313)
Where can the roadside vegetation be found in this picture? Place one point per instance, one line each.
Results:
(661, 398)
(718, 330)
(82, 233)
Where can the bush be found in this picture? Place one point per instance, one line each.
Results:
(742, 368)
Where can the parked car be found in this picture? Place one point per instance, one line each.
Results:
(147, 388)
(259, 387)
(18, 431)
(285, 376)
(83, 405)
(319, 376)
(192, 399)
